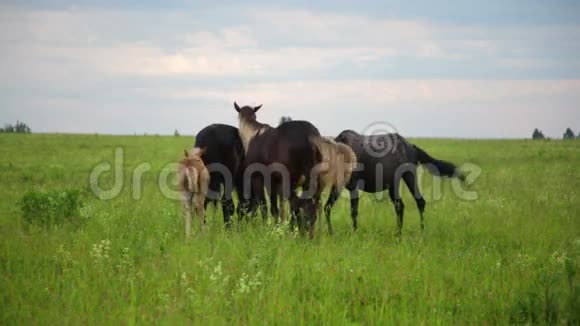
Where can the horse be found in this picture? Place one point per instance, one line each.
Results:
(338, 163)
(193, 180)
(382, 161)
(281, 159)
(224, 158)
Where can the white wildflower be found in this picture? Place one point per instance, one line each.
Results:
(100, 251)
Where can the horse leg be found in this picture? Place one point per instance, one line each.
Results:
(399, 206)
(242, 207)
(263, 205)
(258, 196)
(245, 206)
(200, 208)
(411, 182)
(314, 212)
(354, 208)
(295, 215)
(228, 209)
(332, 197)
(283, 210)
(274, 202)
(187, 212)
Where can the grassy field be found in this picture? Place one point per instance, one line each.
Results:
(510, 256)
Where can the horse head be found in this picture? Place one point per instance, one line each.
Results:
(247, 112)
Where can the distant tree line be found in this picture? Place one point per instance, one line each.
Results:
(19, 127)
(537, 134)
(568, 134)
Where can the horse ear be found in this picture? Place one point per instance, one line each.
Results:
(236, 107)
(257, 108)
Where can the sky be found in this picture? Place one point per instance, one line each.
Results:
(454, 69)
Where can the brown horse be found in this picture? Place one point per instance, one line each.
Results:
(193, 180)
(281, 160)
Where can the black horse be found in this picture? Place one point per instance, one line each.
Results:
(280, 159)
(382, 161)
(224, 158)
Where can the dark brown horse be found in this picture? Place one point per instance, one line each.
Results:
(224, 158)
(383, 160)
(280, 159)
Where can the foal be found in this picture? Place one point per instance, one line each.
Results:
(334, 172)
(193, 179)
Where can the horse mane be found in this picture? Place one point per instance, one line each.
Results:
(250, 129)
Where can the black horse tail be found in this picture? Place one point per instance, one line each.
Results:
(438, 167)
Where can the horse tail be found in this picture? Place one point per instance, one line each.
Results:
(321, 166)
(350, 160)
(203, 181)
(438, 167)
(192, 178)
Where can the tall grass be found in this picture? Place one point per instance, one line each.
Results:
(511, 256)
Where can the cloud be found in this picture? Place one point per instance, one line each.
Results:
(338, 70)
(267, 43)
(386, 92)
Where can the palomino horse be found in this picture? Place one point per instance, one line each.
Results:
(382, 161)
(338, 163)
(281, 159)
(193, 180)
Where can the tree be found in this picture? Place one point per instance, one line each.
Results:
(284, 119)
(578, 137)
(20, 127)
(538, 134)
(8, 128)
(569, 134)
(176, 133)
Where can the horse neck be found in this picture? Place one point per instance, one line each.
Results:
(249, 129)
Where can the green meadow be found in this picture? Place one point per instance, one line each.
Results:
(509, 256)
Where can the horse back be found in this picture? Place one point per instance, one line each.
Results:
(384, 153)
(289, 145)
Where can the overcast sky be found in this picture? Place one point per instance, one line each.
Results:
(431, 69)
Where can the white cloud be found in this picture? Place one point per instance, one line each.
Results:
(267, 43)
(298, 55)
(387, 92)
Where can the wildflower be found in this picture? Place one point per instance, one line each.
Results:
(217, 272)
(559, 258)
(100, 251)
